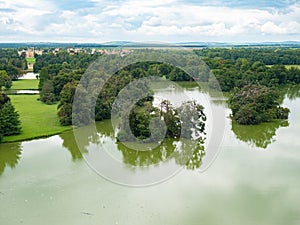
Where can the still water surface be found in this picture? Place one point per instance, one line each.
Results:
(254, 180)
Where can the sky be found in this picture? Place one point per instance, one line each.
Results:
(99, 21)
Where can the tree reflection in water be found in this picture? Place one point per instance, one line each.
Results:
(184, 152)
(10, 155)
(293, 92)
(260, 135)
(69, 143)
(263, 135)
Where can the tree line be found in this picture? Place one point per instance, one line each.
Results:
(266, 55)
(233, 69)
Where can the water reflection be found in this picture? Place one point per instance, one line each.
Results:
(186, 153)
(293, 92)
(260, 135)
(69, 143)
(10, 155)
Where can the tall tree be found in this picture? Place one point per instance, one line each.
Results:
(44, 76)
(9, 119)
(5, 80)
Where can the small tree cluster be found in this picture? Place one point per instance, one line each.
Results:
(254, 104)
(146, 122)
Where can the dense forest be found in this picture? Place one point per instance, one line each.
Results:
(268, 56)
(232, 68)
(12, 63)
(60, 72)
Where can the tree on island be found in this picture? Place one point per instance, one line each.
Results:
(254, 104)
(187, 121)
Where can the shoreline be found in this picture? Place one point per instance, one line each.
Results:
(34, 137)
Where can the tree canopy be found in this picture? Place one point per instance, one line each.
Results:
(254, 104)
(9, 118)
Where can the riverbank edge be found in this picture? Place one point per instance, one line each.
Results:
(68, 128)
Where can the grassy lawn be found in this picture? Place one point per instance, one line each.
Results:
(289, 66)
(30, 60)
(38, 119)
(25, 84)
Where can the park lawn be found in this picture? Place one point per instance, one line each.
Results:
(30, 60)
(24, 84)
(38, 119)
(289, 66)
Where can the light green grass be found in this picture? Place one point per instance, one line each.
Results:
(289, 66)
(38, 119)
(30, 60)
(25, 84)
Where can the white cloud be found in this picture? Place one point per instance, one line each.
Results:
(168, 20)
(271, 28)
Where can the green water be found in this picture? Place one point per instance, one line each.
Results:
(254, 180)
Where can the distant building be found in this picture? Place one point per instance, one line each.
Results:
(38, 52)
(30, 53)
(30, 66)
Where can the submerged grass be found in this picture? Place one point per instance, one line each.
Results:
(38, 119)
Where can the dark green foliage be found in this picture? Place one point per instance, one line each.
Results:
(255, 104)
(44, 76)
(3, 99)
(65, 76)
(65, 114)
(46, 95)
(232, 67)
(9, 118)
(238, 72)
(147, 122)
(268, 56)
(12, 63)
(170, 116)
(65, 105)
(5, 80)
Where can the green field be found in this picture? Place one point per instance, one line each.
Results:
(289, 66)
(25, 85)
(30, 60)
(38, 119)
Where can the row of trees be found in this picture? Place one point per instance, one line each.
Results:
(12, 63)
(240, 72)
(268, 56)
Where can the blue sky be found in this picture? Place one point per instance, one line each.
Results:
(155, 20)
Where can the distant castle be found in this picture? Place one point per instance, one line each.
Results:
(30, 53)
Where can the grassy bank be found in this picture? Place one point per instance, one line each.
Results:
(38, 119)
(25, 84)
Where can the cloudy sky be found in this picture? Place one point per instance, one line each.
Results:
(149, 20)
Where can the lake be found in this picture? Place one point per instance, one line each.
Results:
(253, 180)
